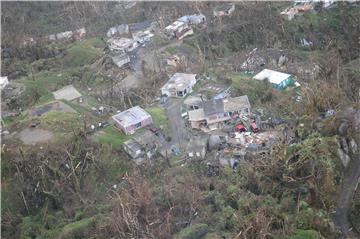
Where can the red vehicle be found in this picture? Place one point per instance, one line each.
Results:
(254, 127)
(239, 127)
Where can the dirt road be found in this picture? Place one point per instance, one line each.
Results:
(350, 183)
(179, 136)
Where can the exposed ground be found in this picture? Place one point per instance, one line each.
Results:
(33, 136)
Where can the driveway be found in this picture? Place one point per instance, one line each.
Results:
(179, 135)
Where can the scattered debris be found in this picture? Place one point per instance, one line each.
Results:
(120, 59)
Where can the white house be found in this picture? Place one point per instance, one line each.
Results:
(179, 85)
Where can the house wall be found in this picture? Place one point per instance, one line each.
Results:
(131, 128)
(217, 118)
(284, 83)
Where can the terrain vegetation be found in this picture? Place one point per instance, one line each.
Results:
(61, 181)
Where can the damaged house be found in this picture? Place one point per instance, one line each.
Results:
(224, 10)
(132, 119)
(121, 59)
(179, 85)
(143, 146)
(277, 79)
(178, 30)
(122, 44)
(215, 113)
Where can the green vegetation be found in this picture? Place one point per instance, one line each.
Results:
(76, 227)
(84, 52)
(111, 135)
(306, 234)
(160, 118)
(61, 122)
(193, 232)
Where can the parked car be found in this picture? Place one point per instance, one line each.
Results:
(239, 127)
(254, 127)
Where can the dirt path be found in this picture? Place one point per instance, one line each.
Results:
(33, 136)
(350, 183)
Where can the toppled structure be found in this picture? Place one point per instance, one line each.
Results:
(224, 10)
(215, 113)
(68, 93)
(132, 119)
(299, 8)
(118, 30)
(176, 61)
(181, 27)
(143, 146)
(179, 85)
(68, 35)
(3, 82)
(122, 44)
(277, 79)
(197, 146)
(120, 59)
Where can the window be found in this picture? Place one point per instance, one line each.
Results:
(138, 125)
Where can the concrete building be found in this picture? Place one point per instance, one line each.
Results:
(215, 113)
(178, 30)
(277, 79)
(132, 119)
(142, 146)
(68, 93)
(179, 85)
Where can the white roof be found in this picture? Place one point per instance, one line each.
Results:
(179, 81)
(3, 81)
(274, 77)
(131, 116)
(67, 93)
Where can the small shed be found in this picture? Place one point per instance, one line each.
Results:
(179, 85)
(277, 79)
(68, 93)
(131, 119)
